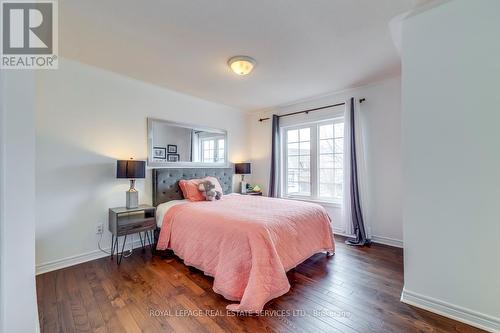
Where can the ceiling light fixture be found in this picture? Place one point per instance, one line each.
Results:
(241, 65)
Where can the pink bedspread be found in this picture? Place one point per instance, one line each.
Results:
(246, 243)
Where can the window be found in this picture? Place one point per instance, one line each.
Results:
(331, 160)
(212, 150)
(313, 160)
(298, 161)
(220, 150)
(208, 151)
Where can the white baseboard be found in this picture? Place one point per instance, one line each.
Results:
(376, 239)
(387, 241)
(448, 310)
(78, 259)
(341, 233)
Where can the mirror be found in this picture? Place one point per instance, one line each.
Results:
(175, 144)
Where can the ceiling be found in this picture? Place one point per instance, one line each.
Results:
(302, 48)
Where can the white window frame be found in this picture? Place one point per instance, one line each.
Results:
(314, 161)
(216, 139)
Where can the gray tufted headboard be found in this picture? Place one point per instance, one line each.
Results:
(166, 181)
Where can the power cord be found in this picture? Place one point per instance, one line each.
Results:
(99, 245)
(107, 252)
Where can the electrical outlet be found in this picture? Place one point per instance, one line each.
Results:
(99, 229)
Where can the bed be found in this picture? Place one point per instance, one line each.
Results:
(246, 243)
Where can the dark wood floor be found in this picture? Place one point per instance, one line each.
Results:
(357, 290)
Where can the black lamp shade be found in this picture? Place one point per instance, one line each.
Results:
(242, 169)
(130, 169)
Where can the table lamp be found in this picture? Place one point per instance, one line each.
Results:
(132, 170)
(243, 169)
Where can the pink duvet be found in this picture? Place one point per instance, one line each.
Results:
(246, 243)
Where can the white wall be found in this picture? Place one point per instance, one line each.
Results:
(18, 307)
(86, 119)
(381, 122)
(451, 103)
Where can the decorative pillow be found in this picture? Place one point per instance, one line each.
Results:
(207, 189)
(215, 181)
(189, 188)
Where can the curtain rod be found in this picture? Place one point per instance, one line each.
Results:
(310, 110)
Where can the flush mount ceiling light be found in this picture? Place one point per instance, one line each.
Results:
(241, 65)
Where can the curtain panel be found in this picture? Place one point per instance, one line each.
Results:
(354, 176)
(275, 157)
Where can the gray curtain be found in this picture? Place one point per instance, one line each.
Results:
(275, 155)
(357, 216)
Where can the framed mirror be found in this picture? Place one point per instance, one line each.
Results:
(172, 144)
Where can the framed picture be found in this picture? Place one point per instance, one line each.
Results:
(172, 149)
(159, 153)
(173, 157)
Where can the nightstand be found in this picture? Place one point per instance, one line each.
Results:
(126, 221)
(253, 193)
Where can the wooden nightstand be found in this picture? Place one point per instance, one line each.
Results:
(126, 221)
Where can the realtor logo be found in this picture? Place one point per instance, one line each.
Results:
(29, 35)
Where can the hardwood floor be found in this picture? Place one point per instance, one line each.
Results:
(357, 290)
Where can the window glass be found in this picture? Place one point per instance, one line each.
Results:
(323, 144)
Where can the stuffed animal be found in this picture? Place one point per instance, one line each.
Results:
(207, 188)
